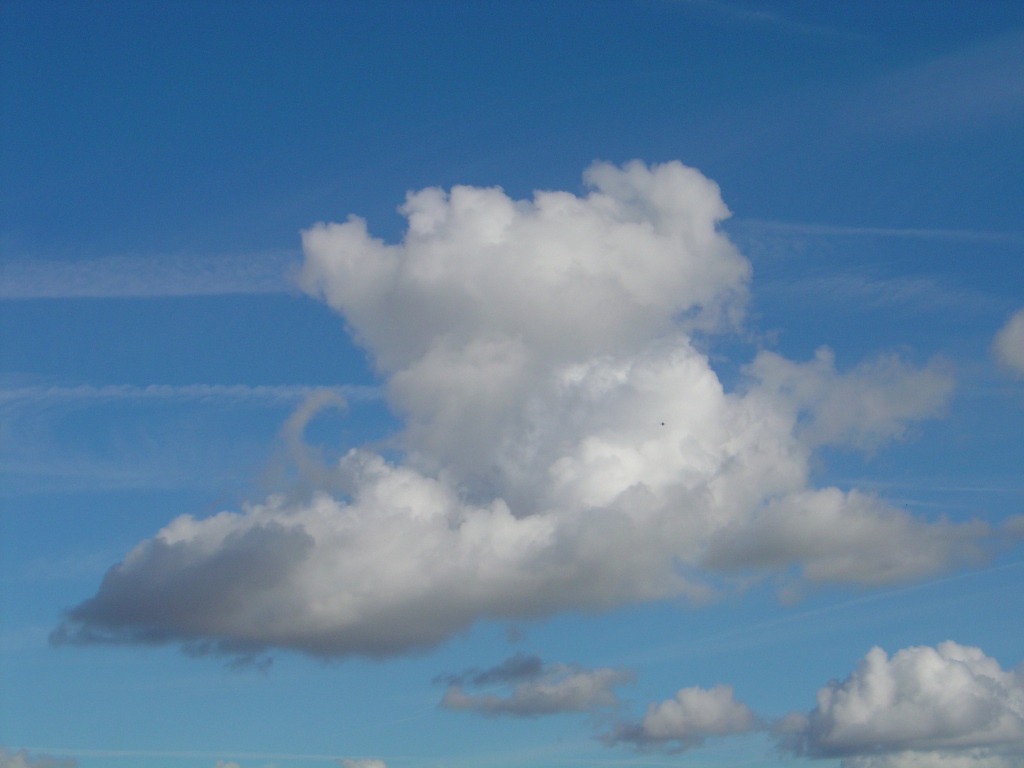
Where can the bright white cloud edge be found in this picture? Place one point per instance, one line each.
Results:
(566, 445)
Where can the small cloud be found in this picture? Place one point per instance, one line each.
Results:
(513, 669)
(226, 764)
(1008, 345)
(687, 720)
(361, 762)
(22, 759)
(539, 689)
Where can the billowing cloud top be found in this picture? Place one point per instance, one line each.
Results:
(1008, 345)
(566, 445)
(945, 706)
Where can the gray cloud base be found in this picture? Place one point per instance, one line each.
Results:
(536, 688)
(566, 445)
(687, 720)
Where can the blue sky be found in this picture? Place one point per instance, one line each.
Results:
(574, 461)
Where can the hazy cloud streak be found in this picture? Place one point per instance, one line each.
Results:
(147, 276)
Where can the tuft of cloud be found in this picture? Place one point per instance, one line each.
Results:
(566, 446)
(687, 720)
(945, 706)
(226, 764)
(22, 759)
(870, 405)
(361, 762)
(1008, 345)
(536, 688)
(517, 667)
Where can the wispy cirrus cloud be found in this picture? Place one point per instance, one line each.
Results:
(964, 90)
(147, 276)
(219, 393)
(767, 226)
(763, 17)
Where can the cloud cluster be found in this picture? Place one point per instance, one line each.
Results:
(566, 445)
(1008, 344)
(536, 688)
(950, 706)
(945, 706)
(687, 720)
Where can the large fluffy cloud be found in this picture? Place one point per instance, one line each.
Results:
(567, 446)
(1008, 344)
(688, 720)
(536, 688)
(950, 706)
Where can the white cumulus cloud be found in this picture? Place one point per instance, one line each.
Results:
(688, 720)
(566, 445)
(1008, 345)
(950, 706)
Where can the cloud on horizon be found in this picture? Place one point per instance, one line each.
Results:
(22, 759)
(566, 445)
(361, 762)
